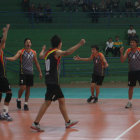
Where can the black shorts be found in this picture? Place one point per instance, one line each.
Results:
(26, 79)
(97, 79)
(4, 85)
(133, 77)
(53, 92)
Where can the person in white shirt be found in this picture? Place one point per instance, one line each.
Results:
(131, 33)
(109, 46)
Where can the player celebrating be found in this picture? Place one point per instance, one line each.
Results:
(52, 59)
(133, 55)
(4, 84)
(100, 64)
(27, 56)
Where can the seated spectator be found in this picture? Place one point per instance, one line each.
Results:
(102, 8)
(116, 7)
(64, 4)
(137, 7)
(32, 12)
(94, 13)
(26, 5)
(109, 46)
(108, 7)
(117, 45)
(129, 8)
(48, 13)
(131, 33)
(40, 13)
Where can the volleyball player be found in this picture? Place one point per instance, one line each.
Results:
(4, 84)
(27, 56)
(52, 58)
(100, 64)
(133, 55)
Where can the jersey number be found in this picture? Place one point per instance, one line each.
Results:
(47, 63)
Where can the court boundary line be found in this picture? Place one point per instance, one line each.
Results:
(127, 130)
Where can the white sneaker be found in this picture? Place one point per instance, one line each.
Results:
(5, 117)
(129, 105)
(71, 123)
(37, 127)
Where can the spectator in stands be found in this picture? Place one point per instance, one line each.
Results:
(64, 4)
(109, 7)
(87, 5)
(94, 13)
(26, 5)
(117, 45)
(40, 13)
(133, 55)
(48, 13)
(100, 64)
(33, 12)
(131, 33)
(129, 8)
(109, 46)
(116, 7)
(137, 7)
(102, 8)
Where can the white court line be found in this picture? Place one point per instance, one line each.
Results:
(127, 130)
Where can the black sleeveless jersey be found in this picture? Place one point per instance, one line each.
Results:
(2, 65)
(52, 66)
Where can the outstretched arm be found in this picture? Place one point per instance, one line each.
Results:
(5, 32)
(123, 57)
(42, 53)
(78, 58)
(14, 57)
(37, 66)
(70, 50)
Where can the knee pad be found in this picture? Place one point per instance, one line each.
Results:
(8, 97)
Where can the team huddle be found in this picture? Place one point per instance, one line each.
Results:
(52, 59)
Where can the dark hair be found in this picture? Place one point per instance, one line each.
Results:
(26, 39)
(95, 46)
(55, 41)
(131, 26)
(134, 39)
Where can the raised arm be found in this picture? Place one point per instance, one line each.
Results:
(14, 57)
(123, 57)
(4, 37)
(42, 53)
(70, 50)
(37, 65)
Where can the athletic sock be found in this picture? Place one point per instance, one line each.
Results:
(130, 101)
(18, 99)
(5, 109)
(26, 103)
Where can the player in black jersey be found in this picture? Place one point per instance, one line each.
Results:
(4, 84)
(100, 64)
(52, 60)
